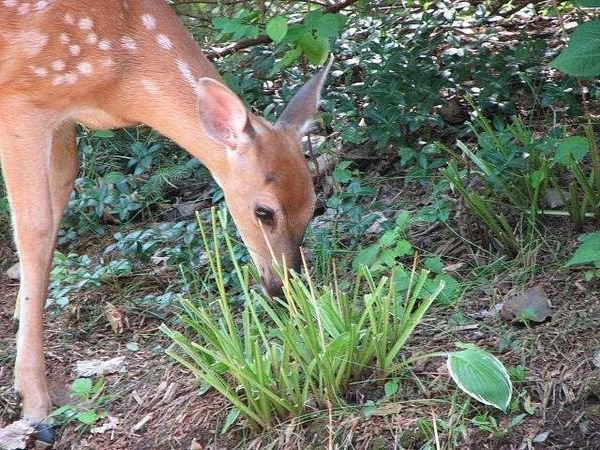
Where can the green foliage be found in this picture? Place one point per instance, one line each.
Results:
(581, 58)
(481, 376)
(274, 358)
(72, 273)
(587, 254)
(525, 177)
(85, 408)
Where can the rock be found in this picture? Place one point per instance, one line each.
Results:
(14, 272)
(531, 305)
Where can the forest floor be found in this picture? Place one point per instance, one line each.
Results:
(158, 405)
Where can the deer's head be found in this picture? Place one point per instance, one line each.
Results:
(267, 185)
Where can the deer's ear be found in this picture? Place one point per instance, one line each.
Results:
(222, 114)
(300, 112)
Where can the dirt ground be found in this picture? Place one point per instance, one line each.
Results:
(159, 406)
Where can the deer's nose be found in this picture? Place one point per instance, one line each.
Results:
(273, 285)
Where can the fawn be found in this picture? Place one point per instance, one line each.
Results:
(112, 64)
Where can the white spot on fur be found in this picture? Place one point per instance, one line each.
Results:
(86, 23)
(58, 80)
(24, 8)
(31, 41)
(75, 50)
(58, 65)
(150, 86)
(85, 68)
(10, 3)
(128, 43)
(41, 5)
(108, 62)
(185, 70)
(104, 44)
(91, 38)
(149, 21)
(70, 78)
(164, 42)
(68, 18)
(64, 38)
(39, 71)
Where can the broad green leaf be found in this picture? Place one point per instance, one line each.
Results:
(277, 28)
(388, 238)
(328, 26)
(87, 417)
(582, 56)
(113, 177)
(288, 58)
(588, 252)
(232, 416)
(366, 256)
(391, 387)
(575, 146)
(434, 264)
(482, 376)
(403, 248)
(316, 50)
(82, 386)
(588, 3)
(312, 19)
(338, 347)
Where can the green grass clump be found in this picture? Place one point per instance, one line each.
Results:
(279, 360)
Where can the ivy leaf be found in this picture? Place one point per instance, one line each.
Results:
(391, 387)
(277, 28)
(582, 56)
(82, 386)
(87, 417)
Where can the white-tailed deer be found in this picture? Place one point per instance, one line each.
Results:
(114, 63)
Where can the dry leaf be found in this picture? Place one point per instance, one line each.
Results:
(116, 318)
(93, 367)
(532, 305)
(110, 424)
(196, 445)
(15, 435)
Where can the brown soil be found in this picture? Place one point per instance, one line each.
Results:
(562, 382)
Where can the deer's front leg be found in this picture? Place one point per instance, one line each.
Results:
(25, 155)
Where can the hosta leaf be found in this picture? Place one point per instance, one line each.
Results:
(482, 376)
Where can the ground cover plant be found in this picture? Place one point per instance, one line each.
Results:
(457, 146)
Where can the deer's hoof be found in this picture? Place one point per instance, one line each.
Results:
(43, 435)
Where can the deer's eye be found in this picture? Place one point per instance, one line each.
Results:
(265, 215)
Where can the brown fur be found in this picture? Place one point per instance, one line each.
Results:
(176, 91)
